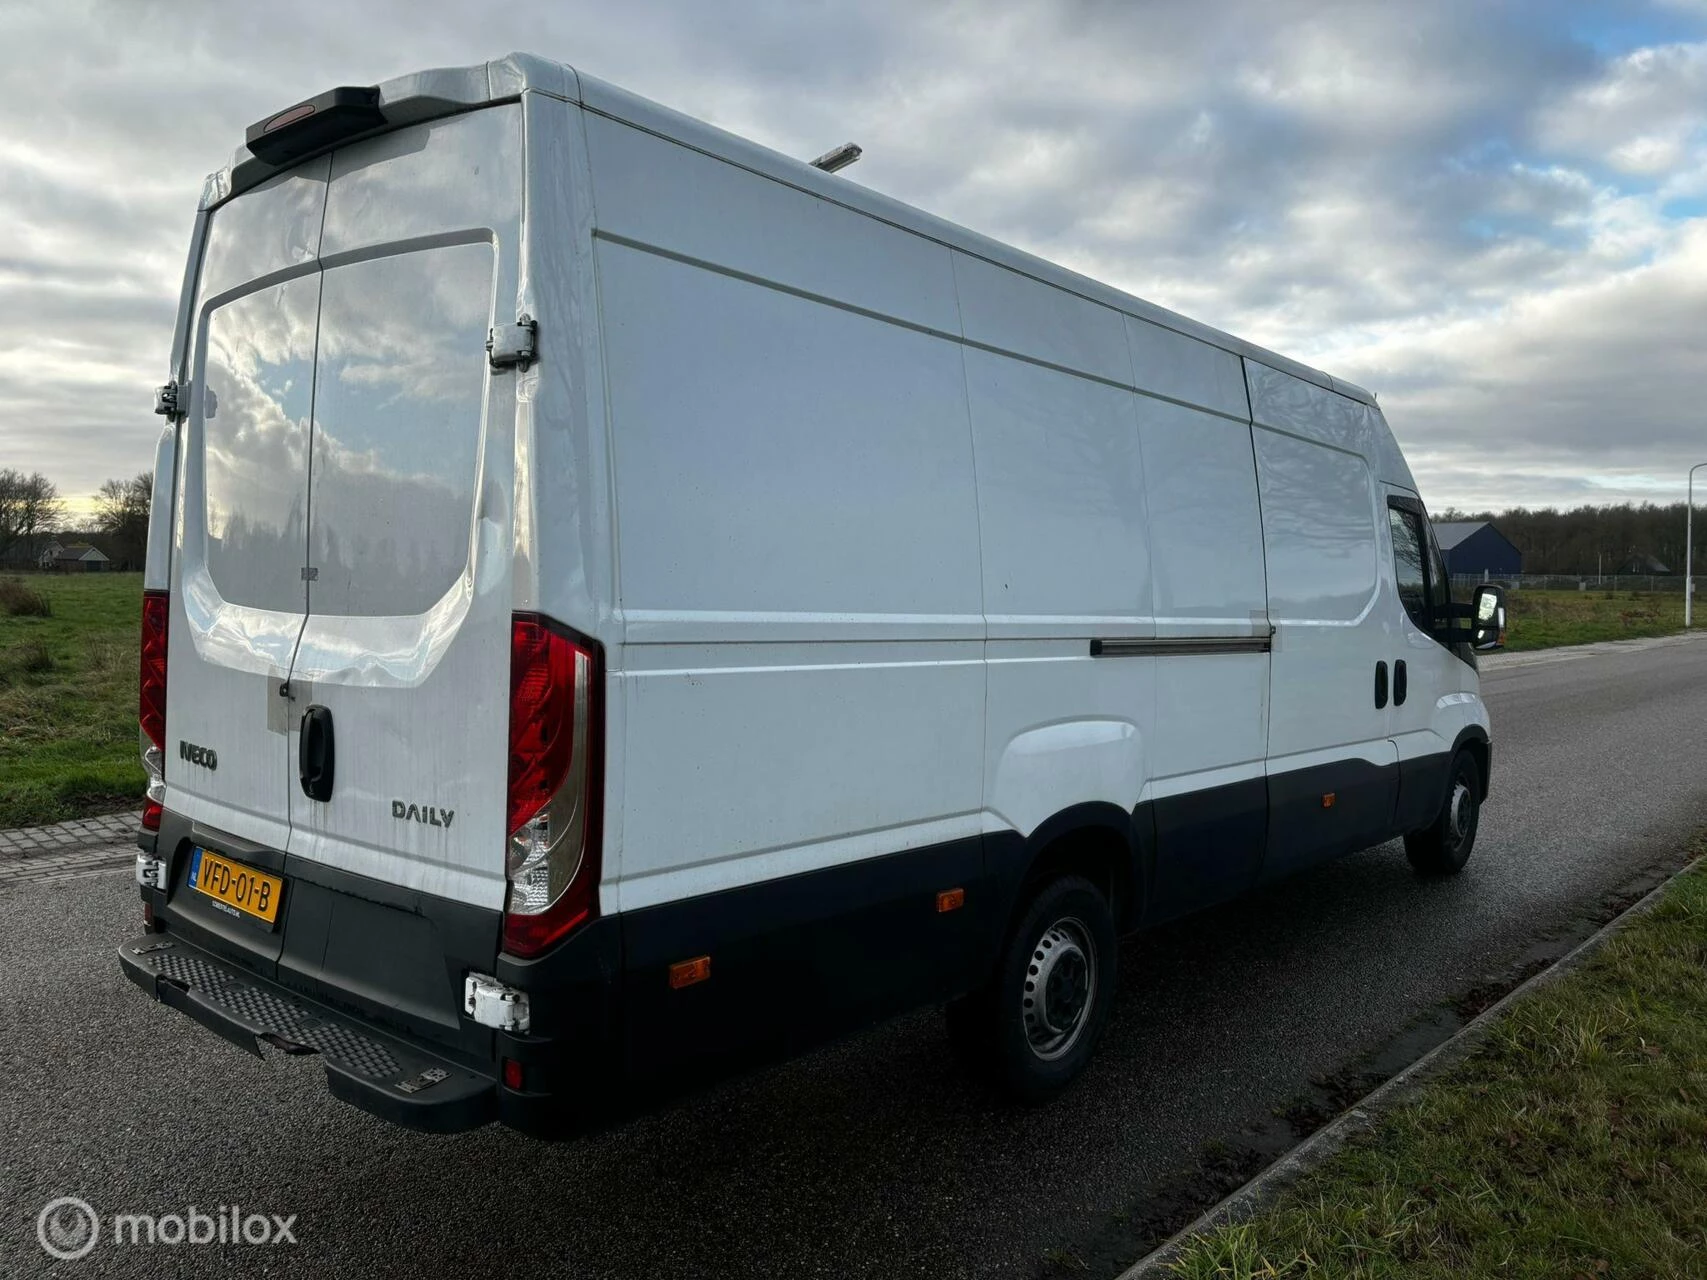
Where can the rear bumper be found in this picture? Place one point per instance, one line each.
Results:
(398, 1080)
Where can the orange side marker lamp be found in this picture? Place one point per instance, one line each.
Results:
(684, 973)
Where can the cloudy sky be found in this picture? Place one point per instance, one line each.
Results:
(1494, 215)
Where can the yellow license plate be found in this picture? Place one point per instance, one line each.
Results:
(252, 892)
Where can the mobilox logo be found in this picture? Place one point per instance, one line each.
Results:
(69, 1228)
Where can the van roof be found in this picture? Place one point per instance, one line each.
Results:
(426, 95)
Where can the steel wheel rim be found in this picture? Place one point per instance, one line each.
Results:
(1060, 988)
(1460, 813)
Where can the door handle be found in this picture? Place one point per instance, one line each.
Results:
(1380, 685)
(316, 754)
(1401, 683)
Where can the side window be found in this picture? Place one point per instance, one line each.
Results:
(1408, 564)
(1439, 584)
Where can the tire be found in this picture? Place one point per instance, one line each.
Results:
(1443, 847)
(1033, 1029)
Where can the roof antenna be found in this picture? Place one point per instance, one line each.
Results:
(839, 158)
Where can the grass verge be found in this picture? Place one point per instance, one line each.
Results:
(1546, 619)
(1573, 1142)
(68, 699)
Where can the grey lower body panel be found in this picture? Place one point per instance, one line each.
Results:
(397, 1080)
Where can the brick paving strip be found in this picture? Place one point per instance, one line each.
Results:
(81, 847)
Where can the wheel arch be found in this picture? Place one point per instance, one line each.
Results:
(1474, 739)
(1096, 839)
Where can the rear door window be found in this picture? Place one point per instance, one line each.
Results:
(257, 394)
(399, 397)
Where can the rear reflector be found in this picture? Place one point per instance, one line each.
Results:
(512, 1074)
(556, 739)
(151, 702)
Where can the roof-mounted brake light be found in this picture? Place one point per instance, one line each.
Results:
(312, 126)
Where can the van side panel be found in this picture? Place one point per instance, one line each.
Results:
(792, 540)
(1389, 463)
(801, 682)
(1211, 733)
(1332, 767)
(1066, 548)
(1176, 367)
(670, 198)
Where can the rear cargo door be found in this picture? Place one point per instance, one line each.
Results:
(238, 598)
(398, 698)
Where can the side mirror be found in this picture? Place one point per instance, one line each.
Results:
(1487, 613)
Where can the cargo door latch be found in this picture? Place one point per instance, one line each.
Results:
(512, 346)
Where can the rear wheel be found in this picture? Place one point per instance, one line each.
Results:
(1033, 1029)
(1443, 847)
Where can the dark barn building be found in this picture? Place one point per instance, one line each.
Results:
(1476, 547)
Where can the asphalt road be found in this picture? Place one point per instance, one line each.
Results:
(875, 1157)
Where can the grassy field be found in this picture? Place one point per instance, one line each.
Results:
(1543, 619)
(1572, 1144)
(68, 699)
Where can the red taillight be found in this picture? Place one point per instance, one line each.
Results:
(151, 702)
(152, 686)
(554, 778)
(542, 692)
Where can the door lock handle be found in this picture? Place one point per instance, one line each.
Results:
(1380, 685)
(1401, 683)
(316, 754)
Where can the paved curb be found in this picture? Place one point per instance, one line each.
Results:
(1326, 1141)
(76, 836)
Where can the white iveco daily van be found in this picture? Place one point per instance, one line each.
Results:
(623, 604)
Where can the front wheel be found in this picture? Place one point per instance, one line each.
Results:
(1443, 847)
(1037, 1024)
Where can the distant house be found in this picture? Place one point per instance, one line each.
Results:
(73, 557)
(1641, 563)
(1476, 547)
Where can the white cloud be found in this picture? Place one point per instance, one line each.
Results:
(1643, 115)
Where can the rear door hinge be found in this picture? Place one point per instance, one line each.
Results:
(512, 346)
(172, 400)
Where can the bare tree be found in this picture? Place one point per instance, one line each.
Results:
(29, 508)
(121, 512)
